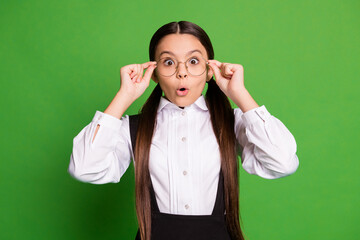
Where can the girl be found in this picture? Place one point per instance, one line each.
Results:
(186, 153)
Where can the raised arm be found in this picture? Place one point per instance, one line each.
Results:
(102, 150)
(266, 146)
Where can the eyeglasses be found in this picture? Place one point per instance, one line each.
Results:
(195, 65)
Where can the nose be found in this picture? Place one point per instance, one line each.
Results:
(182, 71)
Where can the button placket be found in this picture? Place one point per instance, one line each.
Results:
(183, 139)
(185, 187)
(183, 113)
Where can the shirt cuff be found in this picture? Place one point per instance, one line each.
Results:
(255, 115)
(107, 120)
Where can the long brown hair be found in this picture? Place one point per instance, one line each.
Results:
(222, 118)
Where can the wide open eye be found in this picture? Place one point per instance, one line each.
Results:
(193, 60)
(168, 62)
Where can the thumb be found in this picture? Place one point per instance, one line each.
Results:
(216, 71)
(149, 72)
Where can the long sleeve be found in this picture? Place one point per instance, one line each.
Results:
(266, 146)
(105, 159)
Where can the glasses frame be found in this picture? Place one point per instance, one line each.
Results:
(177, 67)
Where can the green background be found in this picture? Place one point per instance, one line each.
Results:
(60, 62)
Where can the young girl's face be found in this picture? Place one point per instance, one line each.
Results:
(180, 47)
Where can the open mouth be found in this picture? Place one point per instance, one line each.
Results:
(182, 91)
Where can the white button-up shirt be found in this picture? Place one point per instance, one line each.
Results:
(184, 159)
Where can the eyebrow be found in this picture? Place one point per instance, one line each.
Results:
(171, 53)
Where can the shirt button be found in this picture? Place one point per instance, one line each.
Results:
(187, 206)
(262, 112)
(183, 139)
(184, 172)
(183, 113)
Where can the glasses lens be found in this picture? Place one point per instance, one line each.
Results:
(166, 66)
(196, 65)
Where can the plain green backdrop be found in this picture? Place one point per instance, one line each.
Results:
(60, 62)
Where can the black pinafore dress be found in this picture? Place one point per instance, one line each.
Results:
(165, 226)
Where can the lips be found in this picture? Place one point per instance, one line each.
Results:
(182, 91)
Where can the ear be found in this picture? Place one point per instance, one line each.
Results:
(209, 74)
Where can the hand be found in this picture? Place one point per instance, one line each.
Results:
(133, 83)
(229, 77)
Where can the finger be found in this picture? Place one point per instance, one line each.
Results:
(129, 69)
(147, 64)
(216, 70)
(216, 62)
(223, 67)
(138, 72)
(148, 73)
(233, 68)
(141, 73)
(135, 75)
(228, 69)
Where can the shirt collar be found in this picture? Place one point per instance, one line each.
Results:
(199, 103)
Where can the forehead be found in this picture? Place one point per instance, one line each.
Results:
(179, 45)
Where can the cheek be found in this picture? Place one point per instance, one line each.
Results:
(199, 85)
(166, 84)
(201, 81)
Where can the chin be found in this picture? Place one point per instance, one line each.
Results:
(183, 101)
